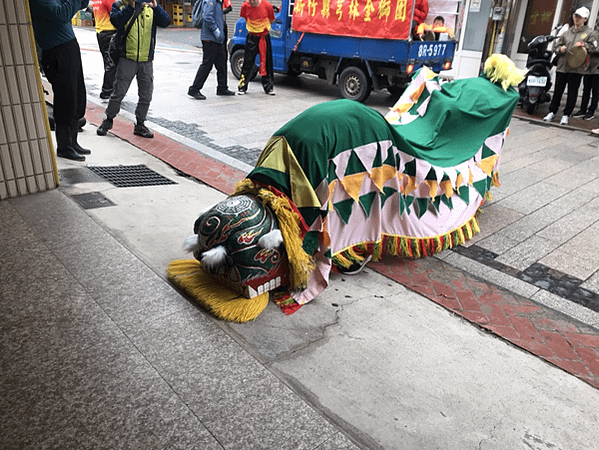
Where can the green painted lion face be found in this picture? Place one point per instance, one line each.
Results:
(239, 244)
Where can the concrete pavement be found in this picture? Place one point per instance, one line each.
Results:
(105, 354)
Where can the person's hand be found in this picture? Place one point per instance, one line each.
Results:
(563, 49)
(579, 44)
(154, 3)
(132, 3)
(217, 33)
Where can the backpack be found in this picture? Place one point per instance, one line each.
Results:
(196, 14)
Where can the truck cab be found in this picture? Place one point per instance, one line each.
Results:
(357, 65)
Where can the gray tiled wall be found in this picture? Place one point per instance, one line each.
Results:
(27, 163)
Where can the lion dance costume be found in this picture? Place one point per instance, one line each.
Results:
(340, 184)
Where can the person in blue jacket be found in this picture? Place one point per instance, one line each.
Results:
(213, 42)
(61, 64)
(135, 59)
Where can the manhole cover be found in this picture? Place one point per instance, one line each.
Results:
(92, 200)
(131, 176)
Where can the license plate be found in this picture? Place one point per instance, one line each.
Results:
(536, 81)
(433, 50)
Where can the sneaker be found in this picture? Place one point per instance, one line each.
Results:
(271, 92)
(142, 130)
(104, 127)
(355, 268)
(241, 91)
(225, 92)
(196, 94)
(564, 120)
(549, 117)
(580, 113)
(589, 116)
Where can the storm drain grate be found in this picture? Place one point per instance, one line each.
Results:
(92, 200)
(130, 176)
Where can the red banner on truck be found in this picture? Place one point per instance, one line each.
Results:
(379, 19)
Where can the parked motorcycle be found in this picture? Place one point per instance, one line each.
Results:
(534, 90)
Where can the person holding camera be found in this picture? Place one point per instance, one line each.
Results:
(135, 59)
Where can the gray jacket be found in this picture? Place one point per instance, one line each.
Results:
(569, 39)
(593, 66)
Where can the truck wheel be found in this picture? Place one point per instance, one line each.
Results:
(354, 84)
(237, 63)
(293, 72)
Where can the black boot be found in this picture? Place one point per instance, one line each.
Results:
(74, 133)
(64, 147)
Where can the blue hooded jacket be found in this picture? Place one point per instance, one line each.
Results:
(212, 15)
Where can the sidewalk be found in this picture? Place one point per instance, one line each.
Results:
(101, 352)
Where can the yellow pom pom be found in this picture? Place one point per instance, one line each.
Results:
(500, 69)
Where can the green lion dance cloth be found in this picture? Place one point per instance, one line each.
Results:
(358, 185)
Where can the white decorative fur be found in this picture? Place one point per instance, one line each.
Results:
(214, 257)
(191, 244)
(271, 240)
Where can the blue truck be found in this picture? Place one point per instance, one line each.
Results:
(357, 65)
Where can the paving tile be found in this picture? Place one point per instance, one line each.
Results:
(570, 225)
(571, 157)
(236, 398)
(520, 181)
(592, 282)
(527, 252)
(497, 243)
(493, 217)
(103, 396)
(487, 273)
(337, 442)
(552, 165)
(544, 194)
(570, 264)
(571, 309)
(129, 291)
(559, 346)
(573, 177)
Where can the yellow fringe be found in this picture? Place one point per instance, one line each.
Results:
(410, 247)
(187, 274)
(300, 263)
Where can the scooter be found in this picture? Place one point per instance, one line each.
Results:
(534, 90)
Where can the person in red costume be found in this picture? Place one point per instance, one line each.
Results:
(258, 15)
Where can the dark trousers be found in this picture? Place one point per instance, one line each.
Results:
(252, 43)
(109, 66)
(590, 90)
(214, 55)
(63, 69)
(563, 79)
